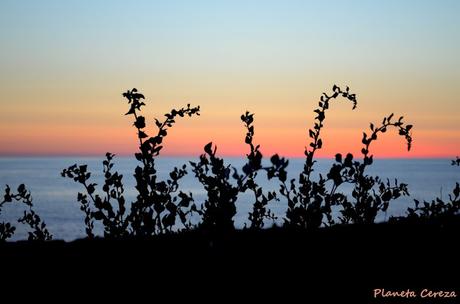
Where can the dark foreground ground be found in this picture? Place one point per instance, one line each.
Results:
(334, 265)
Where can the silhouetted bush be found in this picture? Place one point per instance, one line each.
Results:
(161, 207)
(456, 162)
(39, 231)
(115, 222)
(223, 187)
(310, 202)
(219, 208)
(307, 199)
(158, 204)
(437, 208)
(260, 212)
(368, 201)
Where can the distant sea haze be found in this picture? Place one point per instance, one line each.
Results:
(55, 201)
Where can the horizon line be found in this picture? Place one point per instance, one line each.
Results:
(124, 155)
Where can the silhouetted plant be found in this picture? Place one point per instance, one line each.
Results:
(306, 202)
(260, 212)
(39, 231)
(161, 207)
(367, 201)
(437, 208)
(115, 222)
(219, 208)
(157, 205)
(310, 201)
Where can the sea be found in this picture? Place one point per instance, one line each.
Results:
(55, 197)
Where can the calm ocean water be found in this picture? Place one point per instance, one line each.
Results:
(55, 197)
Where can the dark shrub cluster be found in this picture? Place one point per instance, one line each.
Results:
(370, 193)
(456, 162)
(260, 211)
(38, 232)
(223, 183)
(310, 201)
(437, 208)
(161, 206)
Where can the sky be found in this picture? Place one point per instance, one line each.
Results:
(64, 65)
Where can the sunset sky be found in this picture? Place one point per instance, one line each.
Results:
(64, 65)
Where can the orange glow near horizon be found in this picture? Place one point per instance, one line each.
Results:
(182, 141)
(93, 123)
